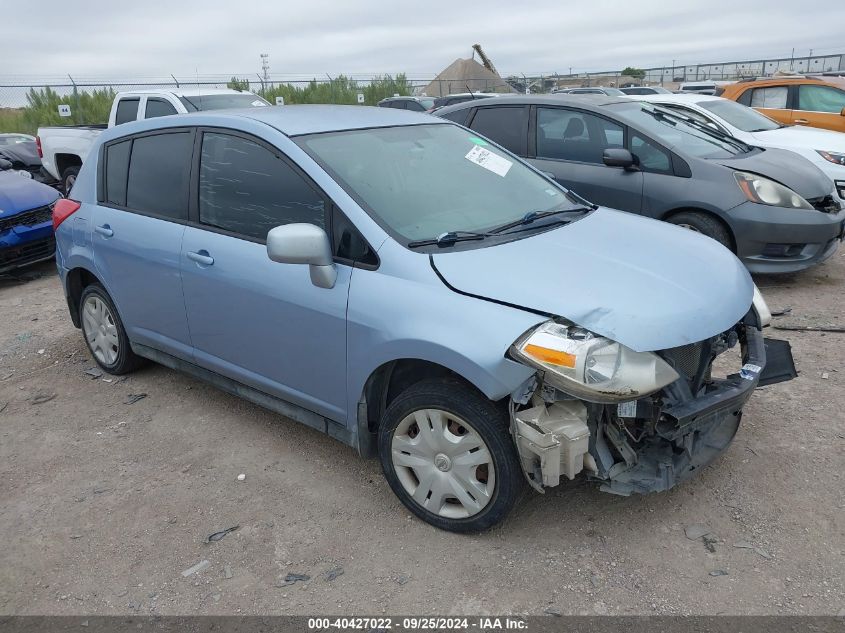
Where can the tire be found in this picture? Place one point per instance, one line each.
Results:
(704, 224)
(104, 333)
(68, 179)
(457, 488)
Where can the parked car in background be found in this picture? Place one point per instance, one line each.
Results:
(26, 224)
(444, 305)
(645, 90)
(63, 149)
(792, 100)
(703, 87)
(414, 104)
(22, 152)
(461, 97)
(13, 138)
(777, 211)
(823, 147)
(597, 90)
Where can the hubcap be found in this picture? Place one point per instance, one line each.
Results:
(443, 464)
(100, 330)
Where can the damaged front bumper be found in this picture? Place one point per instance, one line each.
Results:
(654, 443)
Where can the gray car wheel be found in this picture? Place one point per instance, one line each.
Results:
(104, 333)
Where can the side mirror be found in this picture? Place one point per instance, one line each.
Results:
(842, 113)
(5, 164)
(304, 244)
(615, 157)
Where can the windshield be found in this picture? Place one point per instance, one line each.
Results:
(679, 134)
(422, 181)
(222, 101)
(740, 116)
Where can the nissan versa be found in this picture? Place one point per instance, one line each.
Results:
(412, 290)
(776, 210)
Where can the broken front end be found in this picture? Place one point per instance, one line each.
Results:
(637, 422)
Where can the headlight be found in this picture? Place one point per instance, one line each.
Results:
(836, 158)
(591, 367)
(764, 191)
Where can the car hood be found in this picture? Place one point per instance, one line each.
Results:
(18, 194)
(803, 137)
(646, 284)
(787, 168)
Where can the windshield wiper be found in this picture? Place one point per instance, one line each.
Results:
(533, 216)
(449, 238)
(698, 125)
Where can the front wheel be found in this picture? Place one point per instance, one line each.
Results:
(448, 455)
(704, 224)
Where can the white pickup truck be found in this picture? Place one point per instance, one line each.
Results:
(63, 148)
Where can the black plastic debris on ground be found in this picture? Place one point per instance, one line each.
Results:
(219, 535)
(132, 398)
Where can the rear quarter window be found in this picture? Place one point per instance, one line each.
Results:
(127, 110)
(159, 175)
(117, 169)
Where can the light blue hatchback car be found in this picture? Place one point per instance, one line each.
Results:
(413, 290)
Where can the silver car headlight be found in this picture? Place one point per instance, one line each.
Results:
(765, 191)
(589, 366)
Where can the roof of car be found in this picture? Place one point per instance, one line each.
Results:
(680, 98)
(186, 92)
(565, 99)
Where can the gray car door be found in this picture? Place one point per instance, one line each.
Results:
(569, 146)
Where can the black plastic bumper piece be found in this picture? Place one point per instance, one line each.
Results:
(780, 366)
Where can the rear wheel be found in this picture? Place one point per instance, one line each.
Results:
(448, 455)
(104, 333)
(704, 224)
(69, 179)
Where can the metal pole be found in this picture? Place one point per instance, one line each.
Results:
(331, 86)
(176, 81)
(260, 80)
(75, 113)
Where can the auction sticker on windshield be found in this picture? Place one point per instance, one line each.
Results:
(490, 161)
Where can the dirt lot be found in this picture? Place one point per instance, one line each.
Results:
(104, 504)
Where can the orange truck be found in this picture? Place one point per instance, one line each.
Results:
(792, 100)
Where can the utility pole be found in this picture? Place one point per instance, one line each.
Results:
(808, 60)
(792, 59)
(265, 67)
(673, 70)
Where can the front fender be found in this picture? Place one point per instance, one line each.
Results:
(392, 317)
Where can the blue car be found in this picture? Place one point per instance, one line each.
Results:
(411, 289)
(26, 224)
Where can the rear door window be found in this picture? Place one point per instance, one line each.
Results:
(507, 125)
(246, 189)
(158, 107)
(159, 175)
(577, 136)
(127, 110)
(773, 97)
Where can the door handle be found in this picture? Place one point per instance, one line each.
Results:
(201, 257)
(104, 230)
(801, 121)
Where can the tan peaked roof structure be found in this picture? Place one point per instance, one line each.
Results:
(466, 75)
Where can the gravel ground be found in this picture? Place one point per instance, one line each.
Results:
(104, 504)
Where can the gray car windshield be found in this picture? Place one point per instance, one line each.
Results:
(222, 102)
(676, 133)
(422, 181)
(740, 116)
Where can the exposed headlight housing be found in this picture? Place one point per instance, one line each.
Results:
(762, 308)
(837, 158)
(591, 367)
(765, 191)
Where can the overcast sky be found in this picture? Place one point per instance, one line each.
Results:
(109, 38)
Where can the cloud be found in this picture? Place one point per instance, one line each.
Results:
(157, 37)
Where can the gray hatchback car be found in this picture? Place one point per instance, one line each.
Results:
(399, 283)
(776, 210)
